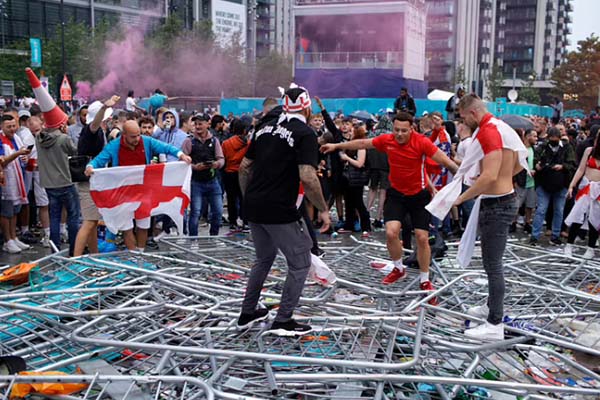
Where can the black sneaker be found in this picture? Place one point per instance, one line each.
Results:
(246, 229)
(317, 251)
(556, 241)
(151, 244)
(289, 328)
(29, 238)
(513, 228)
(533, 242)
(377, 224)
(527, 228)
(247, 320)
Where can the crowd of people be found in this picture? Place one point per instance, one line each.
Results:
(257, 162)
(217, 145)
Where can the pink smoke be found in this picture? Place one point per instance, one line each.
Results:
(130, 64)
(84, 91)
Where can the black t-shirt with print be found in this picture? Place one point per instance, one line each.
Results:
(277, 150)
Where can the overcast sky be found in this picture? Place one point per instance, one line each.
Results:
(585, 20)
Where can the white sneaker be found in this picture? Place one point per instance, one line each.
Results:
(160, 236)
(589, 253)
(479, 311)
(382, 266)
(21, 245)
(11, 247)
(46, 241)
(568, 250)
(486, 332)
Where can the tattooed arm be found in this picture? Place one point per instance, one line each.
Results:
(312, 190)
(245, 174)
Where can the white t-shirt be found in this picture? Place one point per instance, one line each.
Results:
(28, 139)
(130, 104)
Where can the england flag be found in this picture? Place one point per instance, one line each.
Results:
(124, 194)
(506, 138)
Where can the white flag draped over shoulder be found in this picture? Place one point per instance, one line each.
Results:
(441, 204)
(123, 194)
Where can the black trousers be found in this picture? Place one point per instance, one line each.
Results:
(353, 197)
(234, 197)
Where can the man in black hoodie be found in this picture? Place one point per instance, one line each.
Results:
(588, 142)
(340, 135)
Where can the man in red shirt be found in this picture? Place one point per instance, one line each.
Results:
(407, 151)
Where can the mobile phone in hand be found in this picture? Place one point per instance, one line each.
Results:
(30, 147)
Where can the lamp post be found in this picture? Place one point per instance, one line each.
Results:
(62, 36)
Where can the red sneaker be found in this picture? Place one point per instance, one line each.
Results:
(393, 276)
(428, 286)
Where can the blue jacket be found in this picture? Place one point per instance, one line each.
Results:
(152, 147)
(174, 136)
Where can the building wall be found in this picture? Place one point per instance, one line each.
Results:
(40, 18)
(284, 28)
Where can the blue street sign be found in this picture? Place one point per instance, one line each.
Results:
(36, 52)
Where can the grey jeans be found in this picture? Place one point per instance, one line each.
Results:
(294, 242)
(495, 217)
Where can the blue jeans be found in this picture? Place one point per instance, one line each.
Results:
(211, 191)
(68, 198)
(543, 200)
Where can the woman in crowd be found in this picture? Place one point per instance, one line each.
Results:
(356, 176)
(586, 210)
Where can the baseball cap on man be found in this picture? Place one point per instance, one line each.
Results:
(24, 113)
(93, 110)
(201, 117)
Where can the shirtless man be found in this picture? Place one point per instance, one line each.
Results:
(498, 208)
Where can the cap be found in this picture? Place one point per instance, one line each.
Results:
(24, 113)
(93, 110)
(201, 117)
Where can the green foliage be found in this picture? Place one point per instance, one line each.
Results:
(272, 71)
(528, 93)
(494, 83)
(460, 78)
(166, 34)
(85, 50)
(578, 78)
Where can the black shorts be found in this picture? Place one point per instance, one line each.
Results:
(378, 179)
(397, 206)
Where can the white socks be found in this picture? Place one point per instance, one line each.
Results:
(24, 229)
(424, 276)
(63, 228)
(398, 264)
(47, 232)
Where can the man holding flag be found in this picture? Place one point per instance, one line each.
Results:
(131, 149)
(498, 154)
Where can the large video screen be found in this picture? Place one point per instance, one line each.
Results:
(350, 33)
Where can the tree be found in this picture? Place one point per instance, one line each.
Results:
(494, 83)
(460, 78)
(12, 67)
(578, 78)
(76, 38)
(272, 71)
(528, 93)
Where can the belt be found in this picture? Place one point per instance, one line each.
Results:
(491, 201)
